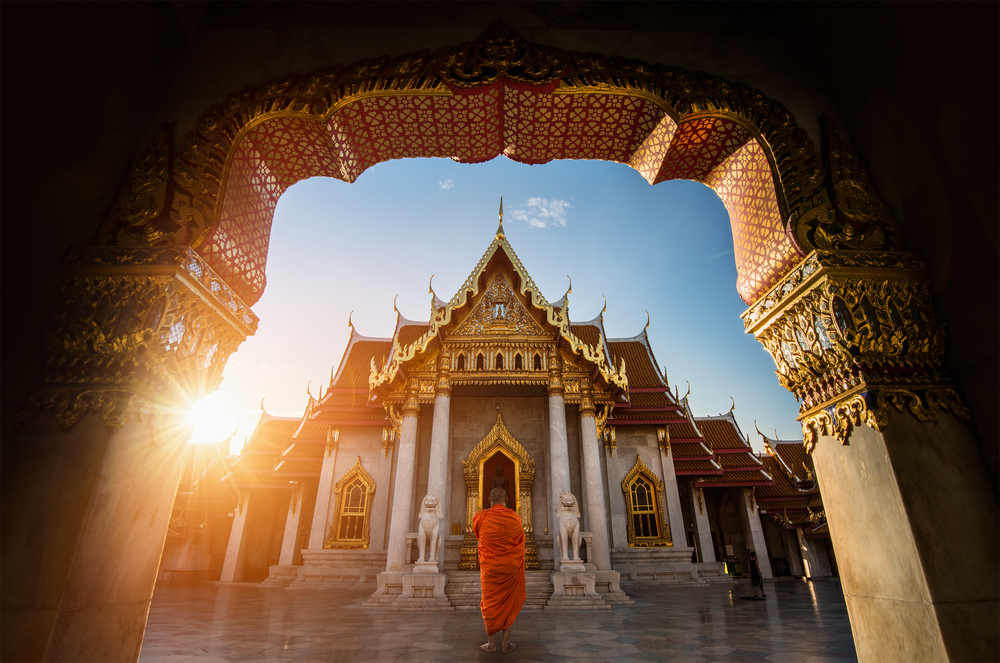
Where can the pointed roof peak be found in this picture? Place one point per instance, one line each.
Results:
(500, 234)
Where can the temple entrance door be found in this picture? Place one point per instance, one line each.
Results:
(506, 479)
(500, 450)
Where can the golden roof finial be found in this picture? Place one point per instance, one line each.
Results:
(500, 234)
(349, 323)
(647, 322)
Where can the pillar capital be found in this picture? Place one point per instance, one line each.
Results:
(854, 333)
(587, 408)
(134, 329)
(555, 372)
(411, 406)
(444, 375)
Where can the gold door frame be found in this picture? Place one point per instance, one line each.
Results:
(498, 439)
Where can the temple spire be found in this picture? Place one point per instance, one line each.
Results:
(500, 234)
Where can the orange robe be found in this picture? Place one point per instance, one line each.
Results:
(501, 565)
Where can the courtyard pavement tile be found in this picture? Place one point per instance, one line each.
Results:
(801, 622)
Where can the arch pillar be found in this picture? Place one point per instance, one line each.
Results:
(136, 336)
(855, 337)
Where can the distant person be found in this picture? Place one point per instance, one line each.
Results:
(755, 579)
(500, 534)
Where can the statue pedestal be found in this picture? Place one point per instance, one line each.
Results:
(575, 591)
(425, 567)
(422, 591)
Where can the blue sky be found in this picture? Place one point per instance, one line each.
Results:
(668, 249)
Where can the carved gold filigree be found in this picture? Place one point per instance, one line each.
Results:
(853, 333)
(849, 214)
(134, 330)
(498, 439)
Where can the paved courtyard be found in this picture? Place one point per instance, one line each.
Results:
(800, 622)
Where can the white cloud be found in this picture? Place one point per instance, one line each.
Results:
(543, 212)
(447, 184)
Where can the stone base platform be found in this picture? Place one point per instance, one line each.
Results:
(410, 592)
(663, 566)
(281, 575)
(328, 569)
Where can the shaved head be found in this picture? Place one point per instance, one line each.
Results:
(498, 496)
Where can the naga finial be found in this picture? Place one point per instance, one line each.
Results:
(689, 390)
(605, 306)
(733, 408)
(349, 323)
(647, 322)
(262, 404)
(500, 234)
(394, 304)
(430, 285)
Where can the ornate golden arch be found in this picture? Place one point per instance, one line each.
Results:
(637, 471)
(498, 439)
(355, 473)
(179, 195)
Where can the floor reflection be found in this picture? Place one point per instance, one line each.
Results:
(800, 622)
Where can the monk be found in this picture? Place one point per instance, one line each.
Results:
(500, 534)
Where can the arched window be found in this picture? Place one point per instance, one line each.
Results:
(480, 362)
(499, 362)
(643, 499)
(518, 362)
(354, 494)
(538, 362)
(460, 365)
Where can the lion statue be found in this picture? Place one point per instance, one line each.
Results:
(428, 538)
(568, 512)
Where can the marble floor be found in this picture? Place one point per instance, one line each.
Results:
(800, 622)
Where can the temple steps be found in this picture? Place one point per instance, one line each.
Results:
(465, 591)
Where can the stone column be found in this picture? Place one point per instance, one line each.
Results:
(558, 444)
(814, 556)
(600, 551)
(324, 492)
(291, 535)
(402, 496)
(90, 472)
(671, 495)
(791, 542)
(437, 473)
(232, 566)
(753, 531)
(911, 508)
(702, 527)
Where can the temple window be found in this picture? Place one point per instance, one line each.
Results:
(480, 362)
(538, 362)
(518, 362)
(643, 499)
(499, 362)
(460, 365)
(354, 495)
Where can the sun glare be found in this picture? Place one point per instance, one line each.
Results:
(212, 419)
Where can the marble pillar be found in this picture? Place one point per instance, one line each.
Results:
(291, 535)
(558, 444)
(702, 527)
(671, 495)
(232, 566)
(437, 473)
(791, 543)
(324, 493)
(913, 518)
(85, 519)
(753, 531)
(402, 496)
(814, 556)
(599, 552)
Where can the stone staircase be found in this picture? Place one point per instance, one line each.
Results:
(465, 592)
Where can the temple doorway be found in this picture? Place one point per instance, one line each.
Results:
(499, 471)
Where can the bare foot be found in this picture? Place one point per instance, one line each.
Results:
(489, 646)
(509, 647)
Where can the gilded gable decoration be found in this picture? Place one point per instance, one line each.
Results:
(499, 313)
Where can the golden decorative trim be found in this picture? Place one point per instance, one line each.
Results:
(852, 333)
(610, 440)
(498, 439)
(640, 469)
(586, 406)
(332, 542)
